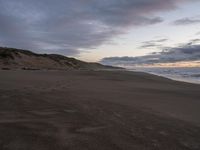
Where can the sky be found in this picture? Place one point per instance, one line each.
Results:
(115, 32)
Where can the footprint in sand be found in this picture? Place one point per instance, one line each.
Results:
(4, 96)
(90, 129)
(70, 111)
(44, 113)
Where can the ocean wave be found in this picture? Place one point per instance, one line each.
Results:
(182, 74)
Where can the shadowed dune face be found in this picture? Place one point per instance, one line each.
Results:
(48, 110)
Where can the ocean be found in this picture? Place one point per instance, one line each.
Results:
(191, 75)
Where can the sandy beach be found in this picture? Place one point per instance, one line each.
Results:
(102, 110)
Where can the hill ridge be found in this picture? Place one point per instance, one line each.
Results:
(12, 58)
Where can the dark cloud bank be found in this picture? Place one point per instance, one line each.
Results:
(186, 52)
(69, 26)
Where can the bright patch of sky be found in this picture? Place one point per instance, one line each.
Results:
(129, 44)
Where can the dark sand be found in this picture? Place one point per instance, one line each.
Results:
(97, 110)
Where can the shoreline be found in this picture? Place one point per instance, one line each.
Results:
(172, 76)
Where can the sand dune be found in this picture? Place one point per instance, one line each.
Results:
(16, 59)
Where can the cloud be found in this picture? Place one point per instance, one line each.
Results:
(198, 33)
(186, 21)
(153, 43)
(72, 26)
(157, 41)
(186, 52)
(195, 40)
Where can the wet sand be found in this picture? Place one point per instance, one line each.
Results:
(102, 110)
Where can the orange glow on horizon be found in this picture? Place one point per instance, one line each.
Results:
(188, 64)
